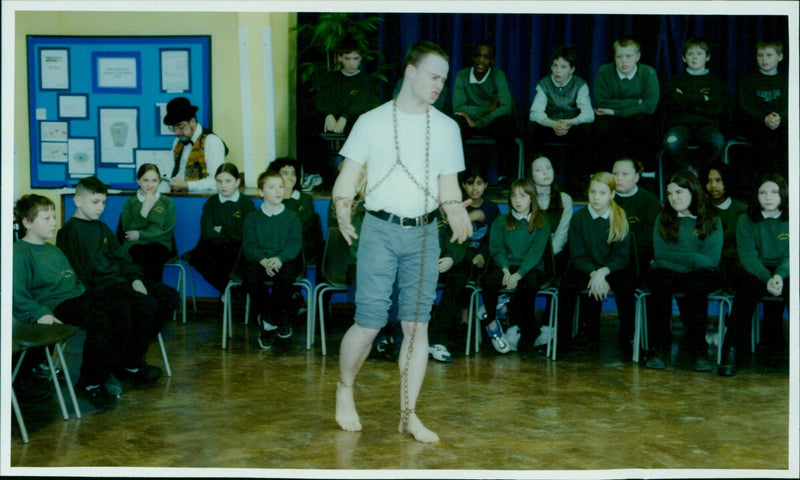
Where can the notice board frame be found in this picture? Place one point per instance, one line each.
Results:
(132, 78)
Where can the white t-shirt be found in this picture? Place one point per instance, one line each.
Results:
(372, 142)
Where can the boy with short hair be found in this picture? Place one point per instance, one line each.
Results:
(562, 101)
(271, 245)
(764, 108)
(118, 284)
(483, 105)
(626, 93)
(342, 97)
(695, 106)
(561, 113)
(347, 92)
(47, 291)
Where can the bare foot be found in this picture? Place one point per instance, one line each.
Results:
(417, 429)
(346, 415)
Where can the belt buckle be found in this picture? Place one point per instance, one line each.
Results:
(402, 222)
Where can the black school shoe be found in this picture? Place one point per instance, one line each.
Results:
(99, 397)
(266, 339)
(33, 388)
(144, 375)
(284, 330)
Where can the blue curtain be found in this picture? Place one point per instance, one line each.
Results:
(524, 43)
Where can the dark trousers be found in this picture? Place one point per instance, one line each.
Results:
(622, 283)
(102, 349)
(749, 291)
(567, 153)
(632, 137)
(140, 317)
(695, 285)
(273, 307)
(151, 257)
(503, 130)
(707, 138)
(215, 261)
(523, 300)
(448, 312)
(772, 147)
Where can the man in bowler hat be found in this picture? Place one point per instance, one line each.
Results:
(198, 152)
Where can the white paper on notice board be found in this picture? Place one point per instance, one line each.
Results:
(81, 156)
(54, 152)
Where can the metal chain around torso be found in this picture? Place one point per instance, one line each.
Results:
(424, 188)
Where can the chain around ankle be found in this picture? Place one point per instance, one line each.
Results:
(344, 385)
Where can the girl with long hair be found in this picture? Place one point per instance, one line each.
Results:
(600, 261)
(517, 244)
(687, 245)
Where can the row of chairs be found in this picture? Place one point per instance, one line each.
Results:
(640, 340)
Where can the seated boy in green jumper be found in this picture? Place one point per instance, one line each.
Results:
(47, 291)
(626, 94)
(271, 245)
(118, 284)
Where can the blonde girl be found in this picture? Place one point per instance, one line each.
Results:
(599, 261)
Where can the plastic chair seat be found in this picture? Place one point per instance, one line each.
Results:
(31, 335)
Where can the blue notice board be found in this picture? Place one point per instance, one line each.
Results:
(96, 104)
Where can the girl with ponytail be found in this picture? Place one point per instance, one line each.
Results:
(599, 261)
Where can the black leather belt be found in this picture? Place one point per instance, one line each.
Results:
(406, 222)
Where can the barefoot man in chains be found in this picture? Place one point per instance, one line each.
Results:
(413, 154)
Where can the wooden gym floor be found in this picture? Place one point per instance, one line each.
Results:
(247, 408)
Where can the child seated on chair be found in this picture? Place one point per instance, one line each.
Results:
(641, 207)
(763, 115)
(446, 330)
(483, 105)
(626, 95)
(119, 286)
(148, 220)
(695, 105)
(517, 243)
(562, 112)
(221, 229)
(687, 244)
(271, 252)
(599, 260)
(303, 205)
(357, 212)
(482, 213)
(762, 241)
(720, 186)
(47, 291)
(556, 206)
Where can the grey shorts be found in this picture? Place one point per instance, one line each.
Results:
(387, 251)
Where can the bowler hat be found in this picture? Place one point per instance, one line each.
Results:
(178, 110)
